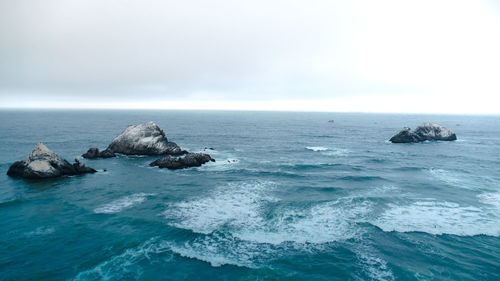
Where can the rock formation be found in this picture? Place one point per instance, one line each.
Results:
(426, 131)
(143, 139)
(44, 163)
(149, 139)
(181, 162)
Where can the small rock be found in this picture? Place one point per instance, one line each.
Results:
(92, 153)
(181, 162)
(426, 131)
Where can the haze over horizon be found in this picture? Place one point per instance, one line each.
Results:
(363, 56)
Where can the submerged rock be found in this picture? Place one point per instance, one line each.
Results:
(94, 153)
(426, 131)
(144, 139)
(44, 163)
(186, 161)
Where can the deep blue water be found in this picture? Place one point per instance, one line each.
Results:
(291, 197)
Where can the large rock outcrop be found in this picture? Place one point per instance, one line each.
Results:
(143, 139)
(44, 163)
(424, 132)
(181, 162)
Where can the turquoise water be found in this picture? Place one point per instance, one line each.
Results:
(291, 197)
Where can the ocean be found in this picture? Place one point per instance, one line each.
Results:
(291, 196)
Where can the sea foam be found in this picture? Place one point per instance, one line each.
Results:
(436, 217)
(241, 210)
(334, 151)
(319, 223)
(317, 148)
(122, 203)
(372, 264)
(125, 266)
(224, 161)
(219, 249)
(236, 205)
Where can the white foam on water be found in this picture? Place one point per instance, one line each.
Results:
(373, 266)
(322, 223)
(217, 250)
(385, 188)
(337, 152)
(376, 268)
(329, 151)
(224, 161)
(490, 198)
(221, 165)
(317, 148)
(124, 266)
(104, 173)
(137, 156)
(236, 228)
(446, 176)
(237, 205)
(455, 179)
(122, 203)
(239, 209)
(436, 217)
(40, 231)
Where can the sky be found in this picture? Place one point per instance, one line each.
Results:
(364, 56)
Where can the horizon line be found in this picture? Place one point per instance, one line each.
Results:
(238, 110)
(414, 104)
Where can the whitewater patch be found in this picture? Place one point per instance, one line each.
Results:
(373, 266)
(125, 266)
(215, 249)
(320, 223)
(242, 209)
(329, 151)
(257, 241)
(464, 180)
(236, 205)
(317, 148)
(447, 177)
(490, 198)
(122, 203)
(438, 218)
(219, 249)
(383, 189)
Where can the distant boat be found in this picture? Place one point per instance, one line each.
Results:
(330, 121)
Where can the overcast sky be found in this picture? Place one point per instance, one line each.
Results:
(375, 56)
